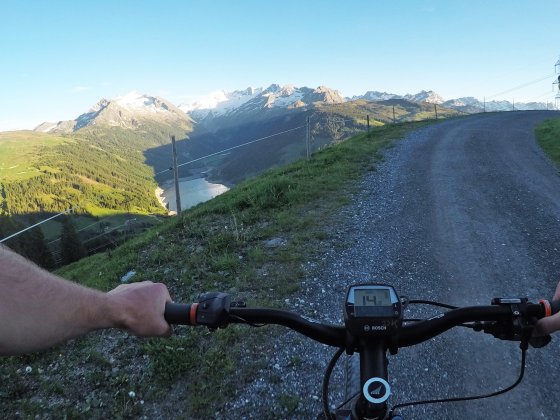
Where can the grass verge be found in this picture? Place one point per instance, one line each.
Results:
(548, 136)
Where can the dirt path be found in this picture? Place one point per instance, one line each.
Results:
(460, 212)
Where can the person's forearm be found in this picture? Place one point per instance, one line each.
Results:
(39, 309)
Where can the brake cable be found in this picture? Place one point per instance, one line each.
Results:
(244, 321)
(523, 346)
(326, 380)
(430, 302)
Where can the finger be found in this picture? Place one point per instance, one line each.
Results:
(557, 292)
(169, 331)
(548, 325)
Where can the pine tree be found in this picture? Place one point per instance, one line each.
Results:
(72, 247)
(4, 201)
(30, 244)
(38, 250)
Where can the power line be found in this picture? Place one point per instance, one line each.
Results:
(541, 95)
(105, 233)
(235, 147)
(79, 230)
(520, 86)
(37, 224)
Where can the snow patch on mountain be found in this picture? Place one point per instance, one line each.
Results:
(282, 96)
(220, 102)
(374, 95)
(425, 96)
(137, 102)
(46, 127)
(131, 111)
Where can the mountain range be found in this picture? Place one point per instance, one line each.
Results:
(134, 110)
(275, 96)
(221, 103)
(223, 120)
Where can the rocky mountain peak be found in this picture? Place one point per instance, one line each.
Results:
(128, 111)
(328, 95)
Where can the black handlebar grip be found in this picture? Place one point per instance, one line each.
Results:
(177, 313)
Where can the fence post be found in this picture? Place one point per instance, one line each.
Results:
(176, 174)
(394, 119)
(368, 125)
(308, 138)
(435, 110)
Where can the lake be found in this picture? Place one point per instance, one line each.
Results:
(192, 191)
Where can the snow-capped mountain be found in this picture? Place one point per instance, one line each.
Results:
(429, 96)
(466, 104)
(219, 102)
(373, 95)
(222, 104)
(130, 111)
(425, 96)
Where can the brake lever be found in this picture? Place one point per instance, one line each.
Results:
(519, 329)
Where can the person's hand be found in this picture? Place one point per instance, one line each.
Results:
(139, 308)
(549, 324)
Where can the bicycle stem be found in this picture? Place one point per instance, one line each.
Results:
(373, 364)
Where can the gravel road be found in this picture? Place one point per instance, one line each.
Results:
(459, 212)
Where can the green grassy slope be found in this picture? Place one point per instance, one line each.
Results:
(381, 112)
(218, 245)
(98, 170)
(20, 152)
(548, 136)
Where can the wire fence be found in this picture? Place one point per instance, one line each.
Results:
(90, 235)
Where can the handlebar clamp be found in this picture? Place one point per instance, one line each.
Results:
(519, 328)
(213, 310)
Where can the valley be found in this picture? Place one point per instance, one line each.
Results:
(107, 163)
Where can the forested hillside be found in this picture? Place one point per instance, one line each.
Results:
(96, 171)
(99, 172)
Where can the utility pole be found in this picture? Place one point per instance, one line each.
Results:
(308, 138)
(513, 105)
(394, 119)
(368, 125)
(557, 82)
(435, 110)
(176, 174)
(485, 104)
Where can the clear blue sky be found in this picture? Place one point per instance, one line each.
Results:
(58, 58)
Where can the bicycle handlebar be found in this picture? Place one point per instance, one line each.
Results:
(502, 310)
(505, 318)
